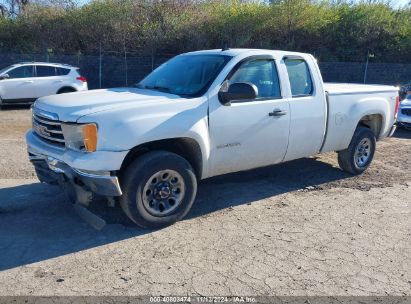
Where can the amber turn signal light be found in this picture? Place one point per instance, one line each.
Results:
(90, 137)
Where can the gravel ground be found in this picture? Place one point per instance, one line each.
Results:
(300, 228)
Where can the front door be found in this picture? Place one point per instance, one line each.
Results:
(244, 134)
(20, 86)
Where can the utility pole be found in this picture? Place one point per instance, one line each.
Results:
(369, 55)
(99, 68)
(125, 59)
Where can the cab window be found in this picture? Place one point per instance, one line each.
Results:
(62, 71)
(262, 73)
(45, 71)
(25, 71)
(299, 76)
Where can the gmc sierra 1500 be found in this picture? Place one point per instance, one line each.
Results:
(202, 114)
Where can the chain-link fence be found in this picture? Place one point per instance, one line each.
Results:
(112, 69)
(102, 71)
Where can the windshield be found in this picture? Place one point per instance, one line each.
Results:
(185, 75)
(5, 69)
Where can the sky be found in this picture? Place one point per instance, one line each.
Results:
(399, 3)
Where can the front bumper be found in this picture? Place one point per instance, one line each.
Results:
(55, 172)
(89, 171)
(404, 120)
(96, 161)
(406, 125)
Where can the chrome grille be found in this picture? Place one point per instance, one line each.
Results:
(48, 129)
(406, 111)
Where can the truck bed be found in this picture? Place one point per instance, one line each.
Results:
(351, 88)
(348, 103)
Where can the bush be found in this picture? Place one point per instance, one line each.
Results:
(331, 30)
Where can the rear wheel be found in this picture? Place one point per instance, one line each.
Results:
(360, 153)
(159, 189)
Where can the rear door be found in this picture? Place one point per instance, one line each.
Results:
(19, 87)
(243, 134)
(307, 106)
(47, 80)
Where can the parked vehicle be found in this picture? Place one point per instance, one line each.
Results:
(199, 115)
(405, 90)
(404, 113)
(25, 82)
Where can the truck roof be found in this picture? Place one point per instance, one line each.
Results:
(236, 52)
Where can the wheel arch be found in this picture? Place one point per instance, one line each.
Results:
(186, 147)
(66, 88)
(374, 122)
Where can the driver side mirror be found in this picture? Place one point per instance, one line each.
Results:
(239, 91)
(4, 76)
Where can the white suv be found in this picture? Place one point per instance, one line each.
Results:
(27, 81)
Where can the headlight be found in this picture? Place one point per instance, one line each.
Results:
(80, 137)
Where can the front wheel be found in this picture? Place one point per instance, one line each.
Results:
(159, 189)
(360, 153)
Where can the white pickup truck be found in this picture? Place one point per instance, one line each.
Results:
(199, 115)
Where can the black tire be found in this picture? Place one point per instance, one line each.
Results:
(347, 158)
(136, 178)
(66, 90)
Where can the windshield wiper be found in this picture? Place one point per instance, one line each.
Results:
(158, 88)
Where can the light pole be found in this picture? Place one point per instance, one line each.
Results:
(369, 55)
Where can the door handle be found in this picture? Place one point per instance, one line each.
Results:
(277, 112)
(28, 81)
(59, 81)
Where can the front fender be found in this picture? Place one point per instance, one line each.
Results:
(123, 130)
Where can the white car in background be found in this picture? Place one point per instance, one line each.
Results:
(25, 82)
(404, 113)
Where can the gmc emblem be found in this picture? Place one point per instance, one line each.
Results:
(42, 130)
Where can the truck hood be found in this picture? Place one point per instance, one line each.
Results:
(72, 106)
